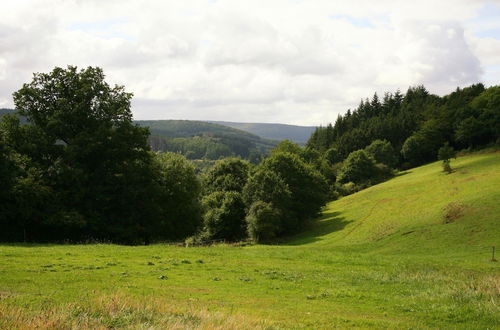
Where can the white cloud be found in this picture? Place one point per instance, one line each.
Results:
(288, 61)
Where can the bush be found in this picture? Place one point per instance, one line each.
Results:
(229, 174)
(263, 221)
(178, 195)
(445, 153)
(359, 167)
(267, 186)
(224, 216)
(309, 189)
(382, 152)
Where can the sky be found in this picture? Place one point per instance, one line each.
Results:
(297, 62)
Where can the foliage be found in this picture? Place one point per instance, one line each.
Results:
(204, 140)
(263, 221)
(382, 152)
(297, 134)
(180, 189)
(84, 169)
(416, 124)
(445, 153)
(229, 174)
(308, 188)
(267, 186)
(332, 156)
(224, 216)
(359, 167)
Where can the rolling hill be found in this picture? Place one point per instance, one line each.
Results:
(422, 210)
(204, 140)
(297, 134)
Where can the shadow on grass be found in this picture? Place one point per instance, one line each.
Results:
(402, 173)
(328, 223)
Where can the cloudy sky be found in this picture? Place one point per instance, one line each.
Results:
(287, 61)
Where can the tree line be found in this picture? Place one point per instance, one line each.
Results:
(406, 130)
(79, 169)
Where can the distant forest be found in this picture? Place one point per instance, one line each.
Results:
(204, 140)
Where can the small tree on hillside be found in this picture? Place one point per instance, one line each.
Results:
(359, 167)
(445, 153)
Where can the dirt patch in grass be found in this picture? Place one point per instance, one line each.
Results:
(453, 211)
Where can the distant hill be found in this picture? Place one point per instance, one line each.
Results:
(205, 140)
(4, 111)
(201, 140)
(298, 134)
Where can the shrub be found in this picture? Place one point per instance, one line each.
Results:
(263, 221)
(382, 152)
(359, 167)
(445, 153)
(229, 174)
(224, 216)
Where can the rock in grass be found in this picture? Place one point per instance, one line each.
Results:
(162, 277)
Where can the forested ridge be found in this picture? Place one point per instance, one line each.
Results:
(294, 133)
(416, 123)
(203, 140)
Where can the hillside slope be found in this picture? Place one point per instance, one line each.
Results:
(298, 134)
(421, 210)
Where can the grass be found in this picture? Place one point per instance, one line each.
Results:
(413, 252)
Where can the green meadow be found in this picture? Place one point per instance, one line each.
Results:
(413, 252)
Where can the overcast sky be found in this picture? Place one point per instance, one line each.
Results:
(286, 61)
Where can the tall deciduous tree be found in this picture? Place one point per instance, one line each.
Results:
(179, 193)
(359, 167)
(82, 140)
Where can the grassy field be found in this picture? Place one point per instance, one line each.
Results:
(413, 252)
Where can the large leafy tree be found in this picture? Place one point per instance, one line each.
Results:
(263, 221)
(82, 140)
(308, 188)
(224, 216)
(359, 167)
(229, 174)
(180, 189)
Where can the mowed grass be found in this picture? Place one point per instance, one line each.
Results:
(413, 252)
